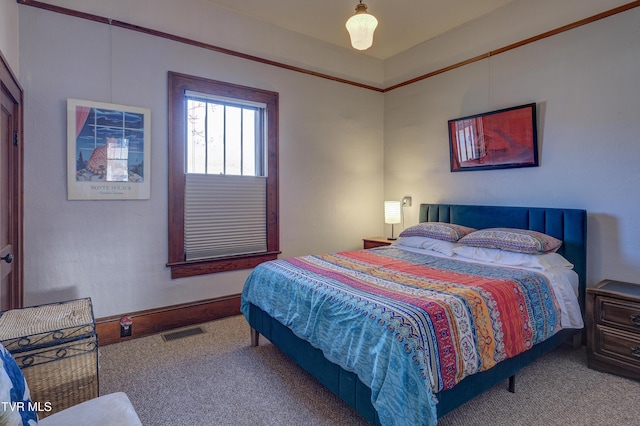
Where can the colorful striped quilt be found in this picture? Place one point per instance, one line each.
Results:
(408, 324)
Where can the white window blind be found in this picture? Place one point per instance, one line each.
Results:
(225, 215)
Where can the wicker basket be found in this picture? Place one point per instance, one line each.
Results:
(56, 347)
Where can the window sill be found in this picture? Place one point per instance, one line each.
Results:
(202, 267)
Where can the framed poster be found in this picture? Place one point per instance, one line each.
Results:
(501, 139)
(107, 151)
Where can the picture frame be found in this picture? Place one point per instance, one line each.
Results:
(501, 139)
(108, 151)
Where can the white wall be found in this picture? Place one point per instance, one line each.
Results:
(9, 32)
(502, 27)
(208, 23)
(585, 83)
(331, 165)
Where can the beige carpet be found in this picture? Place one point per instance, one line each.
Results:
(217, 378)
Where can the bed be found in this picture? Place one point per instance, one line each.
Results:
(400, 398)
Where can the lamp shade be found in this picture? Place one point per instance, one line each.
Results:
(392, 212)
(361, 27)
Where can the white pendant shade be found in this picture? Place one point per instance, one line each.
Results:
(361, 27)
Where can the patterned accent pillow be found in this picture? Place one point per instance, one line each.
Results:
(510, 239)
(437, 230)
(16, 408)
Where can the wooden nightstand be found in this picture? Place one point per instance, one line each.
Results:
(376, 242)
(613, 328)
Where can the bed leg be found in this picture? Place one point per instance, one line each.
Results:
(577, 340)
(255, 337)
(512, 384)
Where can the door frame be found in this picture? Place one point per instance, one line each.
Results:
(10, 85)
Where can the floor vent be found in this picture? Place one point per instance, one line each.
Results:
(182, 333)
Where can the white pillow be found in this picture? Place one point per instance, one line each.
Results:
(509, 258)
(440, 246)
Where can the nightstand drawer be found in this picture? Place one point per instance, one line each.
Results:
(613, 328)
(618, 346)
(618, 313)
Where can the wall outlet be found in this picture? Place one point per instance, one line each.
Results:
(126, 324)
(125, 330)
(406, 201)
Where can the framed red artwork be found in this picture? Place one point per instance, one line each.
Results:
(501, 139)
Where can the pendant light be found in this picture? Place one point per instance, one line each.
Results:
(361, 27)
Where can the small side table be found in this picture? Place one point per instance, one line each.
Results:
(372, 242)
(613, 328)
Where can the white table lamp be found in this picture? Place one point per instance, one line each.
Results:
(392, 214)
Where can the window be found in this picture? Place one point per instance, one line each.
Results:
(223, 176)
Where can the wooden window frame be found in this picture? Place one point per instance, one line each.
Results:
(178, 84)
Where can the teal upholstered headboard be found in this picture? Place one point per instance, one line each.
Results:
(569, 225)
